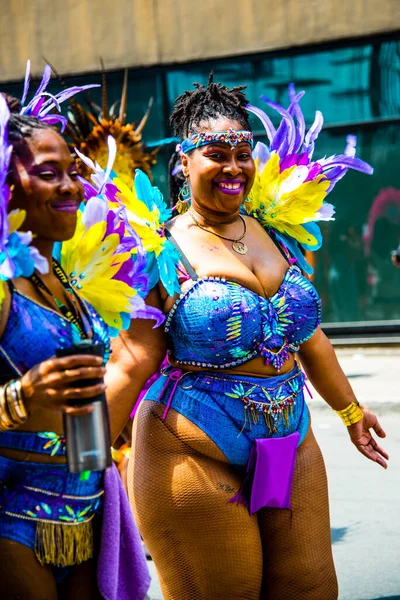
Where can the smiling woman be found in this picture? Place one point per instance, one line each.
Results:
(223, 451)
(50, 518)
(46, 186)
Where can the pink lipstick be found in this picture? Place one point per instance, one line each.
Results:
(68, 206)
(232, 187)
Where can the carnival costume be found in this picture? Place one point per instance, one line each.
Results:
(42, 505)
(215, 454)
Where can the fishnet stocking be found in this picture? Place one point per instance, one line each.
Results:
(297, 554)
(206, 549)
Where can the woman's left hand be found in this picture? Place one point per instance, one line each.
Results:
(362, 438)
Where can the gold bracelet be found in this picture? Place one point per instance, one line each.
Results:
(17, 401)
(10, 402)
(351, 414)
(6, 421)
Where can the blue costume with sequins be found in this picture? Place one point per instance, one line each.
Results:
(219, 324)
(33, 494)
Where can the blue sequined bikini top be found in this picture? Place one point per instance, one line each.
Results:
(34, 332)
(220, 324)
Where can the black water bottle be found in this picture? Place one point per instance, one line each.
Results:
(88, 437)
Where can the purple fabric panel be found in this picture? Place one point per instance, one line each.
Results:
(122, 572)
(273, 461)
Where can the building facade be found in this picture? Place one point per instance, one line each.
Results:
(346, 58)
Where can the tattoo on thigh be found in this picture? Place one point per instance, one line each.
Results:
(225, 487)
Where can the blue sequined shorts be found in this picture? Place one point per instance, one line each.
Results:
(235, 410)
(41, 500)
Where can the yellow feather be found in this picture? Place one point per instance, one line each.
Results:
(15, 219)
(281, 204)
(92, 256)
(144, 221)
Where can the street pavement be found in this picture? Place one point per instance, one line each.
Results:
(365, 499)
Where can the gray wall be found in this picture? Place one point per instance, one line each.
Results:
(73, 34)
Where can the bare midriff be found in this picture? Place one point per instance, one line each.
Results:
(255, 367)
(40, 420)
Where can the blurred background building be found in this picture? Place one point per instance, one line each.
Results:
(345, 55)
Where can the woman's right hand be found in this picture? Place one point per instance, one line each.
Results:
(50, 384)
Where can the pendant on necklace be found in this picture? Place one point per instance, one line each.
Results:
(240, 247)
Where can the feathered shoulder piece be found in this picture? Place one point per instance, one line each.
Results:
(17, 257)
(105, 261)
(290, 187)
(147, 214)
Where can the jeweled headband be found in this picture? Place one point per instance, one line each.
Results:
(204, 138)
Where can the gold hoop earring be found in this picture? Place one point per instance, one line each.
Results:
(184, 198)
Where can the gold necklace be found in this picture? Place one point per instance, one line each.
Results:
(237, 245)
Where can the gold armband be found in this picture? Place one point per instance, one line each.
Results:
(351, 415)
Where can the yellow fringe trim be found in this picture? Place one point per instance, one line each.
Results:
(64, 544)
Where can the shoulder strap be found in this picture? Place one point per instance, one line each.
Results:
(189, 269)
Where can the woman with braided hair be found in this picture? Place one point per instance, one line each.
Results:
(226, 479)
(53, 521)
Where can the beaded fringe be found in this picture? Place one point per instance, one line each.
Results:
(62, 544)
(251, 414)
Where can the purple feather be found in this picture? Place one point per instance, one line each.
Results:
(313, 133)
(27, 81)
(295, 111)
(288, 161)
(347, 161)
(331, 174)
(34, 106)
(126, 245)
(125, 273)
(43, 102)
(114, 225)
(54, 119)
(46, 103)
(291, 128)
(335, 175)
(89, 190)
(303, 159)
(45, 80)
(314, 171)
(150, 313)
(66, 94)
(265, 120)
(281, 140)
(110, 191)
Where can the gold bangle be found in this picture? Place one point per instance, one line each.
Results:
(6, 421)
(10, 402)
(17, 401)
(351, 414)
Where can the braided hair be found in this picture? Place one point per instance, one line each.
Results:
(175, 182)
(208, 102)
